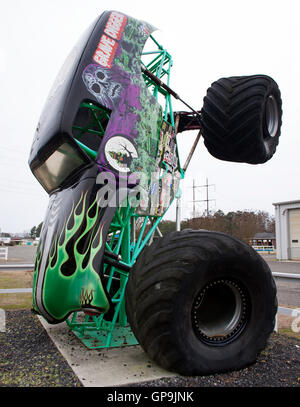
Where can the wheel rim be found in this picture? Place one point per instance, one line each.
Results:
(272, 116)
(220, 312)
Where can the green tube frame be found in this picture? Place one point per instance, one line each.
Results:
(129, 231)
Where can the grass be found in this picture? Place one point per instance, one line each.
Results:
(16, 279)
(289, 332)
(16, 301)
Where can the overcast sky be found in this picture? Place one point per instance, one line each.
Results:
(207, 40)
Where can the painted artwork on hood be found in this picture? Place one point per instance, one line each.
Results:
(136, 127)
(114, 78)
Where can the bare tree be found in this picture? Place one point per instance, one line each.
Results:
(240, 224)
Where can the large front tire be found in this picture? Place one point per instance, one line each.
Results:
(204, 302)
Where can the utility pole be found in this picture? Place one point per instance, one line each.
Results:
(178, 214)
(207, 200)
(194, 199)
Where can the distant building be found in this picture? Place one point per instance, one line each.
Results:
(263, 239)
(287, 229)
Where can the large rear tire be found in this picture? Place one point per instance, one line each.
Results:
(203, 302)
(241, 118)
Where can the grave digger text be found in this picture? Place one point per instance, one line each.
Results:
(172, 397)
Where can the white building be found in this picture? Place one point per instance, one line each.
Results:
(287, 227)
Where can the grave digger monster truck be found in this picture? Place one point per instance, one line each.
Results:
(105, 151)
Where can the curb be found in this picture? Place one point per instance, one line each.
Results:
(2, 320)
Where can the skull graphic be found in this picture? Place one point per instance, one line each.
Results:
(101, 84)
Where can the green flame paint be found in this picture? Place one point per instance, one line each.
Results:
(70, 277)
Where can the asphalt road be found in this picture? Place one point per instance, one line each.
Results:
(282, 266)
(288, 292)
(20, 254)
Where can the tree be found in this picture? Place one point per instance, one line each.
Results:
(166, 226)
(38, 229)
(33, 232)
(240, 224)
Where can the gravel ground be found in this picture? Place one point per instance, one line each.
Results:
(28, 358)
(277, 366)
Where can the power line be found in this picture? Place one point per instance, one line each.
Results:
(27, 184)
(11, 149)
(207, 200)
(20, 191)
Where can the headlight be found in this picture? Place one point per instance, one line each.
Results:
(59, 166)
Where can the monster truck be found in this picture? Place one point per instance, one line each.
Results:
(105, 150)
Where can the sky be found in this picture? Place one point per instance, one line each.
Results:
(207, 40)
